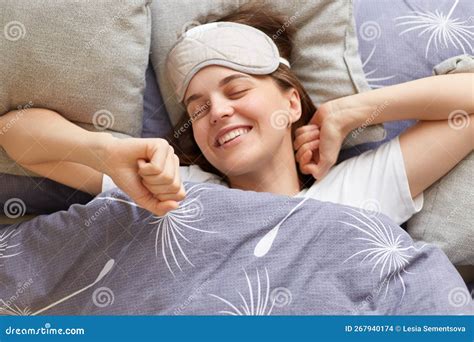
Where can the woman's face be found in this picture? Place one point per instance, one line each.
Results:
(240, 121)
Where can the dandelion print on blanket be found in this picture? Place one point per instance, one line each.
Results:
(389, 253)
(171, 228)
(443, 30)
(7, 250)
(261, 303)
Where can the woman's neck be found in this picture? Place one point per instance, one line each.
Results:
(279, 176)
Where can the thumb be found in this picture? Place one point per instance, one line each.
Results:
(316, 119)
(155, 206)
(318, 171)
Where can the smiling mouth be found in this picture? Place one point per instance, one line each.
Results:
(232, 135)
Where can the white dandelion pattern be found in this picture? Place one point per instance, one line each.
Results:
(260, 305)
(442, 29)
(11, 309)
(170, 228)
(372, 80)
(385, 250)
(5, 248)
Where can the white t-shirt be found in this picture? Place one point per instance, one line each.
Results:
(375, 181)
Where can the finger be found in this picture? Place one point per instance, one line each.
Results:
(305, 128)
(157, 163)
(309, 169)
(316, 119)
(310, 146)
(179, 196)
(174, 191)
(320, 170)
(147, 201)
(169, 189)
(306, 157)
(305, 137)
(162, 208)
(166, 177)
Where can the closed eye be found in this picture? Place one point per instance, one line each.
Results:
(200, 111)
(236, 94)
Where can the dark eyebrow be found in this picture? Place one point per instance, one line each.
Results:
(230, 78)
(222, 83)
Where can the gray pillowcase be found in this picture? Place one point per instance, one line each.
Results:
(83, 59)
(446, 219)
(325, 56)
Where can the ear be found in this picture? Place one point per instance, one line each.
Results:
(294, 102)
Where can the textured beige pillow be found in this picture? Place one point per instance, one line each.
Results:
(447, 217)
(83, 59)
(325, 57)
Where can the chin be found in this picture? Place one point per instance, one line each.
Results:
(244, 166)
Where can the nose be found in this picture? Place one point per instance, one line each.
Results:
(220, 108)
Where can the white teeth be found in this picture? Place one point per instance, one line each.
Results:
(232, 134)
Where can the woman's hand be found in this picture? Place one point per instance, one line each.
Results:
(317, 144)
(148, 171)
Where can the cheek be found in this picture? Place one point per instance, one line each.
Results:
(257, 107)
(200, 134)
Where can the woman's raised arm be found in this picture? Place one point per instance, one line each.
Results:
(44, 142)
(444, 105)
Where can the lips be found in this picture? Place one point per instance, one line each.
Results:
(229, 133)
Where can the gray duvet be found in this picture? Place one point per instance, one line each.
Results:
(223, 252)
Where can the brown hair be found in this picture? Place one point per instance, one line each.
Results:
(259, 16)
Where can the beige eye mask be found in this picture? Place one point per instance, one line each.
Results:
(235, 46)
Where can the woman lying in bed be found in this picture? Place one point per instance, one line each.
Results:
(249, 115)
